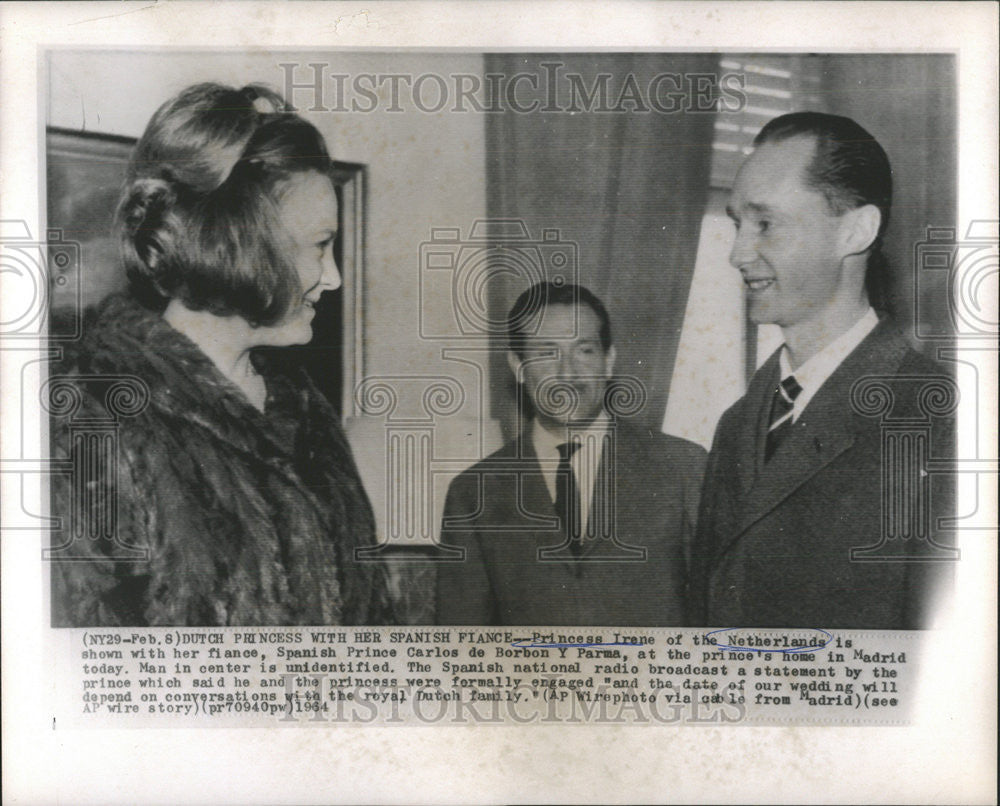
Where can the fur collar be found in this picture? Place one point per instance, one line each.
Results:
(249, 517)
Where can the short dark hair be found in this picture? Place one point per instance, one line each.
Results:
(199, 217)
(849, 167)
(525, 314)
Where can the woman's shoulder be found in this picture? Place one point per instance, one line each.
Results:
(108, 365)
(122, 347)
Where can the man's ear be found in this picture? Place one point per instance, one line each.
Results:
(514, 362)
(609, 360)
(859, 229)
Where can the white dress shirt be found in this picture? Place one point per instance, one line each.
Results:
(585, 462)
(814, 372)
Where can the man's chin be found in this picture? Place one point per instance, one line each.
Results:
(762, 314)
(563, 420)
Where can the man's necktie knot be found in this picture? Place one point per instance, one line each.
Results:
(790, 389)
(566, 450)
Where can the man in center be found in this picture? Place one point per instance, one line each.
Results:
(583, 519)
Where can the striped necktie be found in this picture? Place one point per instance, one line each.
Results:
(781, 414)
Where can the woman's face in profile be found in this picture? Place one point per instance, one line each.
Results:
(309, 215)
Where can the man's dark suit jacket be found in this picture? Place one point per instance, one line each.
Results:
(495, 511)
(773, 545)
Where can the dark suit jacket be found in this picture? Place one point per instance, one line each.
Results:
(774, 541)
(500, 511)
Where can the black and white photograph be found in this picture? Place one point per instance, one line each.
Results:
(377, 374)
(627, 203)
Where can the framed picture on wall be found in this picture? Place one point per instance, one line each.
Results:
(84, 176)
(349, 177)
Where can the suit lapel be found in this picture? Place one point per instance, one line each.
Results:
(532, 496)
(754, 423)
(825, 430)
(821, 434)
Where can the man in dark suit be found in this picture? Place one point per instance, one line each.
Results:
(582, 519)
(816, 509)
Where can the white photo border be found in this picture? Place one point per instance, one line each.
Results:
(948, 757)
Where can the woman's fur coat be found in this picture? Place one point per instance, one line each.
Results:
(243, 517)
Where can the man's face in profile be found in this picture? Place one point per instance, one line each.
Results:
(564, 368)
(786, 244)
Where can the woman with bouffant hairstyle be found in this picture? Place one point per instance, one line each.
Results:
(238, 500)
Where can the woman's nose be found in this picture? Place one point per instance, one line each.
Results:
(330, 279)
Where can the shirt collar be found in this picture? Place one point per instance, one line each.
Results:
(547, 444)
(814, 372)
